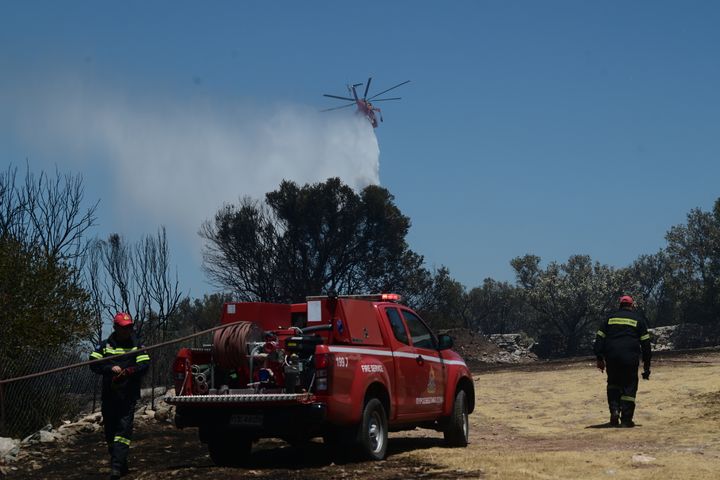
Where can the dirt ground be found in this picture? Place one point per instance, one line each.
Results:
(532, 421)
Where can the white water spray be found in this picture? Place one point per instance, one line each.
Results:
(176, 163)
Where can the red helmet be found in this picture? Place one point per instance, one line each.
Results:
(122, 319)
(626, 300)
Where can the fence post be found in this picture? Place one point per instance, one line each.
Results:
(2, 409)
(152, 385)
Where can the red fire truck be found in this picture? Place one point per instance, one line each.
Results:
(345, 368)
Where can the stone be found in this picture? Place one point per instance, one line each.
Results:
(48, 437)
(9, 447)
(641, 458)
(92, 418)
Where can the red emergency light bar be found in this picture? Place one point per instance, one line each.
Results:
(391, 297)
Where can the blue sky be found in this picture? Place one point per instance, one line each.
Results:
(553, 128)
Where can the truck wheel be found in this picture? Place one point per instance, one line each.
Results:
(457, 429)
(229, 450)
(373, 432)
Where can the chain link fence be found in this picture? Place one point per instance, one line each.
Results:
(51, 386)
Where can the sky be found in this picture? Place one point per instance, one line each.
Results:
(553, 128)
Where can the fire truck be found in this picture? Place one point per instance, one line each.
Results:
(348, 369)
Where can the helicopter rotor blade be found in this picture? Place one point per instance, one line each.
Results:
(391, 88)
(338, 108)
(367, 87)
(341, 98)
(386, 99)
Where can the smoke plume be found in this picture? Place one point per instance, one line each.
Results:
(176, 162)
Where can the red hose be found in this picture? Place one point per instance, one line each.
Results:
(230, 344)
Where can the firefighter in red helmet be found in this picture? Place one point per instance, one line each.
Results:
(121, 375)
(621, 340)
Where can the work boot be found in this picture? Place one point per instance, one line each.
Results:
(614, 415)
(626, 419)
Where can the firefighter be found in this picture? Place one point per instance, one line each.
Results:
(120, 388)
(619, 343)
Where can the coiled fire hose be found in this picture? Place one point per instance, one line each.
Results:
(230, 344)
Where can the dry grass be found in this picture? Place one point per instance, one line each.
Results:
(534, 425)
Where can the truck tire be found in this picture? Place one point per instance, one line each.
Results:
(373, 432)
(457, 429)
(229, 450)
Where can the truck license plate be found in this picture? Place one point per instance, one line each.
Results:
(244, 420)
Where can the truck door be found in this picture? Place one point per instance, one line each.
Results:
(406, 367)
(429, 381)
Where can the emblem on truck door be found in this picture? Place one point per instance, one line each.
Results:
(431, 382)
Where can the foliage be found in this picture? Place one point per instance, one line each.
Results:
(41, 302)
(196, 315)
(693, 251)
(649, 281)
(443, 302)
(568, 298)
(309, 240)
(42, 223)
(498, 307)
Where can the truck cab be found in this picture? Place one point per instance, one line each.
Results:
(347, 368)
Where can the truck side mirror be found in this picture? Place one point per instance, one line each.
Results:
(445, 341)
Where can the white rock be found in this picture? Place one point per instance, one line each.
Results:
(48, 437)
(642, 458)
(9, 447)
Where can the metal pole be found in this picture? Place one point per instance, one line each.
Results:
(152, 385)
(2, 409)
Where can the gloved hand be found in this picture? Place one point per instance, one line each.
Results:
(123, 374)
(601, 364)
(646, 374)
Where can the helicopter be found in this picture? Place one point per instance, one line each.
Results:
(364, 104)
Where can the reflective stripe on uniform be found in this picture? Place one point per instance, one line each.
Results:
(613, 387)
(96, 355)
(600, 333)
(120, 439)
(118, 350)
(623, 321)
(645, 337)
(142, 358)
(627, 399)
